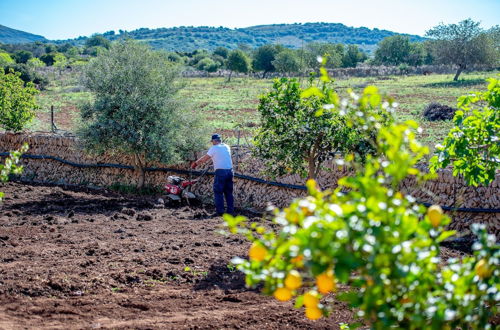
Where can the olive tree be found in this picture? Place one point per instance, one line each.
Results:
(462, 44)
(238, 61)
(398, 49)
(287, 61)
(135, 109)
(263, 58)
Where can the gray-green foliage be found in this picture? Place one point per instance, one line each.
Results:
(398, 49)
(238, 61)
(331, 52)
(287, 61)
(264, 56)
(463, 44)
(207, 64)
(136, 110)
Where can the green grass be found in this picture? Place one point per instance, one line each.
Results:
(231, 106)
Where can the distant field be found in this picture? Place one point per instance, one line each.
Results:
(229, 107)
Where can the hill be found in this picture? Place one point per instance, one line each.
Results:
(12, 36)
(189, 38)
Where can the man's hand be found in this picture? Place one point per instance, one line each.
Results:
(193, 165)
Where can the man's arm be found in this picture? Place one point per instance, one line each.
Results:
(200, 161)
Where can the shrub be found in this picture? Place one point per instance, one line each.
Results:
(28, 74)
(436, 111)
(17, 101)
(207, 64)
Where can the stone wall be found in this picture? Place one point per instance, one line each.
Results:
(446, 190)
(345, 73)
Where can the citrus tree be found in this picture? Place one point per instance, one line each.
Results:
(10, 166)
(379, 244)
(17, 101)
(473, 144)
(299, 131)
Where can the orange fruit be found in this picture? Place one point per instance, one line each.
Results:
(297, 260)
(311, 299)
(257, 252)
(283, 294)
(293, 280)
(435, 214)
(313, 313)
(326, 282)
(482, 269)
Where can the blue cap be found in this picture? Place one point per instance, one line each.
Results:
(216, 137)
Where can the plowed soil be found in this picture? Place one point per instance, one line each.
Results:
(86, 259)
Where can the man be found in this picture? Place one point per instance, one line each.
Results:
(220, 153)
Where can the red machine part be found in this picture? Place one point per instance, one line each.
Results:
(173, 189)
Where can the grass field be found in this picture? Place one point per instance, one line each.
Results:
(229, 107)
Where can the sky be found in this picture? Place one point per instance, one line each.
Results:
(58, 19)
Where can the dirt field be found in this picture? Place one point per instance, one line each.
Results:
(83, 259)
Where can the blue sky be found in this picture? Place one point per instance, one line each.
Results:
(57, 19)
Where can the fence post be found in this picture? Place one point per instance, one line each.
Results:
(238, 151)
(52, 119)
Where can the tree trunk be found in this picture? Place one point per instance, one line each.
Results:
(311, 167)
(459, 71)
(229, 78)
(139, 166)
(264, 74)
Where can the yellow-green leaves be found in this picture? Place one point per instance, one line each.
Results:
(17, 101)
(473, 144)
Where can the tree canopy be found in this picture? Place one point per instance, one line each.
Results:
(136, 110)
(17, 101)
(462, 44)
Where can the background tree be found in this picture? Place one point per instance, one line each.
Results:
(35, 63)
(333, 53)
(299, 131)
(222, 52)
(352, 56)
(396, 50)
(5, 59)
(238, 61)
(136, 110)
(208, 65)
(97, 41)
(462, 44)
(263, 58)
(23, 56)
(288, 61)
(17, 101)
(49, 59)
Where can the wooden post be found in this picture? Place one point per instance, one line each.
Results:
(52, 119)
(238, 150)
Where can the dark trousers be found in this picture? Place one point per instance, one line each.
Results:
(223, 187)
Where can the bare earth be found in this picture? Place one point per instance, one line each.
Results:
(86, 259)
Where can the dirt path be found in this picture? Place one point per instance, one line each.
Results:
(83, 259)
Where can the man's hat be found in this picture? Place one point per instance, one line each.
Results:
(216, 137)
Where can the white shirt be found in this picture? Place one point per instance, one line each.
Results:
(221, 156)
